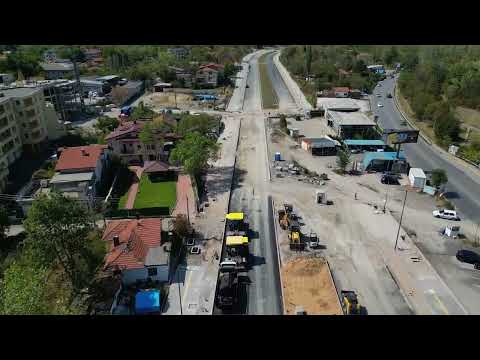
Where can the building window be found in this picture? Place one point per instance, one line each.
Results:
(139, 147)
(26, 136)
(152, 271)
(17, 102)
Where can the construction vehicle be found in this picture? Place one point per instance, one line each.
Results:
(236, 250)
(237, 224)
(230, 280)
(295, 236)
(350, 303)
(286, 216)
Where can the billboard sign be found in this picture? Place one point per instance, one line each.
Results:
(392, 137)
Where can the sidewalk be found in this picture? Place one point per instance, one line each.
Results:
(132, 192)
(185, 197)
(423, 289)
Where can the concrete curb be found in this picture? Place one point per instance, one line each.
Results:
(292, 86)
(266, 149)
(278, 256)
(332, 281)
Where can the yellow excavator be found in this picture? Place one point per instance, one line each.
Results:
(295, 237)
(350, 303)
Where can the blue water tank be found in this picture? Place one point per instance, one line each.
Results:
(277, 156)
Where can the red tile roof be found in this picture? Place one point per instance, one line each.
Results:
(156, 166)
(79, 157)
(126, 128)
(136, 238)
(341, 89)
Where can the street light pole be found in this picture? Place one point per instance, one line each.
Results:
(401, 217)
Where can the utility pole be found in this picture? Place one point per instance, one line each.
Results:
(401, 217)
(175, 94)
(385, 203)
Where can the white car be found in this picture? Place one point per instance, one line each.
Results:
(379, 95)
(446, 214)
(380, 105)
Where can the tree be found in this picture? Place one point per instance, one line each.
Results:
(142, 111)
(439, 177)
(194, 152)
(4, 223)
(204, 124)
(343, 159)
(391, 55)
(23, 290)
(106, 124)
(57, 233)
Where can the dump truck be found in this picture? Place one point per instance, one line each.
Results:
(230, 281)
(236, 249)
(237, 224)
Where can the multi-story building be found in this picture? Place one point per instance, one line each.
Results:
(180, 53)
(10, 143)
(25, 121)
(207, 75)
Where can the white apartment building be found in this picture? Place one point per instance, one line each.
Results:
(23, 125)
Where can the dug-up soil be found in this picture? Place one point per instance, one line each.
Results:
(307, 282)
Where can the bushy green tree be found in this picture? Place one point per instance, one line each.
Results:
(343, 159)
(194, 152)
(439, 177)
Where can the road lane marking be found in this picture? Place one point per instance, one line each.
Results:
(440, 303)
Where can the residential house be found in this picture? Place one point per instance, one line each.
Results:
(341, 92)
(207, 75)
(136, 250)
(320, 146)
(180, 53)
(92, 53)
(58, 70)
(182, 75)
(124, 142)
(79, 171)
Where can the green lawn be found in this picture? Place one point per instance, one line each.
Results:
(269, 96)
(155, 194)
(123, 200)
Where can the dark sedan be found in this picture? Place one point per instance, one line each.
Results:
(469, 257)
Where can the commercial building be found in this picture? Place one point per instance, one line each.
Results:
(79, 171)
(349, 124)
(385, 161)
(337, 104)
(320, 146)
(136, 250)
(365, 145)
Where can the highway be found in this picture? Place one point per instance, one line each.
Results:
(285, 99)
(463, 189)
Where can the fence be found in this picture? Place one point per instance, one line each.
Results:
(133, 213)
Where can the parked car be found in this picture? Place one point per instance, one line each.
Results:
(389, 179)
(379, 95)
(389, 95)
(469, 257)
(379, 105)
(446, 214)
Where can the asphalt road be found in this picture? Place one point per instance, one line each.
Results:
(462, 189)
(250, 195)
